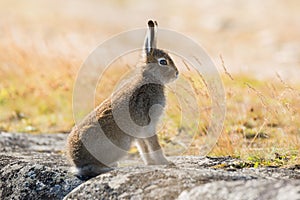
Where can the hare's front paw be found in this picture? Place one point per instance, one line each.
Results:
(160, 159)
(166, 162)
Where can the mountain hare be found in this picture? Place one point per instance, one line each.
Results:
(129, 115)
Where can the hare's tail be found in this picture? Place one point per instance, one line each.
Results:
(89, 171)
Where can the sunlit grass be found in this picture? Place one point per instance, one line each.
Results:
(35, 90)
(262, 119)
(38, 72)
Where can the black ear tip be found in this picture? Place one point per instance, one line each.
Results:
(150, 23)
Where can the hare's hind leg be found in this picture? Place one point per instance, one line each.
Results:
(151, 151)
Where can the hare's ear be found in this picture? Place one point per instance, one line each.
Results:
(150, 41)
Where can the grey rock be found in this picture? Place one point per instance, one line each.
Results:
(154, 182)
(165, 182)
(245, 190)
(18, 142)
(34, 167)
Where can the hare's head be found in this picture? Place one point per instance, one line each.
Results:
(159, 64)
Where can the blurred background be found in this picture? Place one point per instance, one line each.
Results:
(43, 44)
(253, 36)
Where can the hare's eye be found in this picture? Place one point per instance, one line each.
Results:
(162, 61)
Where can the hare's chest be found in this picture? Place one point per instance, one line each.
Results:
(146, 104)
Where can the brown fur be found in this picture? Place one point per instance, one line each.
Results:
(130, 114)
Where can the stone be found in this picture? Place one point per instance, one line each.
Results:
(34, 167)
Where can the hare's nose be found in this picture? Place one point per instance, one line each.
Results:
(176, 73)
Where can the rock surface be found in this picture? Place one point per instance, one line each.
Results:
(192, 178)
(245, 190)
(33, 167)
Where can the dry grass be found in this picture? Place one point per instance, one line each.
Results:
(262, 120)
(35, 87)
(41, 54)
